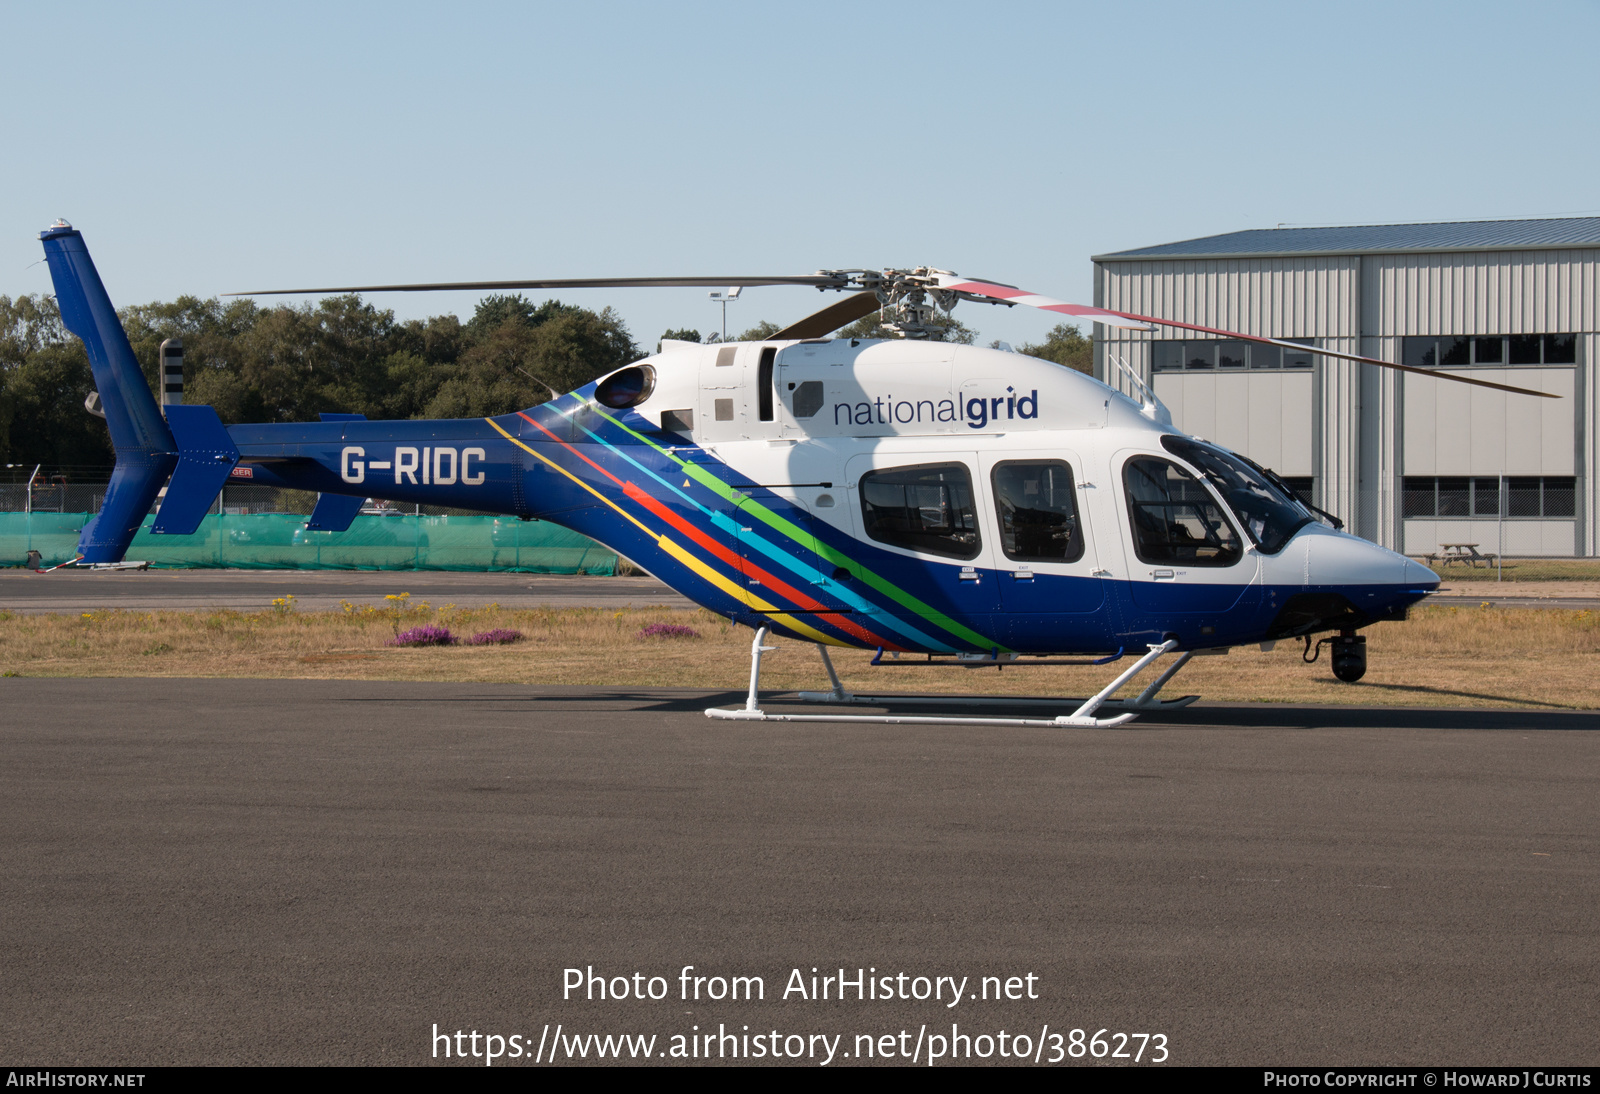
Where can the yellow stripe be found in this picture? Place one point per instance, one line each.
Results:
(741, 595)
(641, 526)
(744, 596)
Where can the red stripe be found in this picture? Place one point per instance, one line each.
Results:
(571, 449)
(1001, 292)
(739, 564)
(983, 288)
(749, 569)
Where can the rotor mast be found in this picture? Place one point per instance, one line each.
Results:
(908, 297)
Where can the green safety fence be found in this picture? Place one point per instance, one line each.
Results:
(280, 541)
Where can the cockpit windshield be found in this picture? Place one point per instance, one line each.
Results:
(1270, 516)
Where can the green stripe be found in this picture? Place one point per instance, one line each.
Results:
(822, 550)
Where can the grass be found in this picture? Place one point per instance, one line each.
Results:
(1525, 569)
(1459, 657)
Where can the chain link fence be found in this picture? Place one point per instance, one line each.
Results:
(262, 527)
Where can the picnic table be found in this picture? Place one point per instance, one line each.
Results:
(1466, 553)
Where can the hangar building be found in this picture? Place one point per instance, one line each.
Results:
(1406, 460)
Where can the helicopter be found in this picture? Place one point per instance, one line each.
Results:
(939, 503)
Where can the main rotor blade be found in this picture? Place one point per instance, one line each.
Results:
(820, 281)
(1135, 321)
(829, 319)
(1453, 376)
(1010, 294)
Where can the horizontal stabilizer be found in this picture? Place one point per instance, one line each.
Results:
(206, 454)
(334, 512)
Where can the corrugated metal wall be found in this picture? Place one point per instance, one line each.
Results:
(1316, 297)
(1263, 415)
(1367, 427)
(1495, 292)
(1277, 297)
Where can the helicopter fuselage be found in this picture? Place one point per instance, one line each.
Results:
(914, 496)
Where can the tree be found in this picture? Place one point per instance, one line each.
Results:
(684, 335)
(1065, 345)
(760, 332)
(44, 378)
(566, 347)
(289, 363)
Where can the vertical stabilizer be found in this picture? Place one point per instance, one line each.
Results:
(145, 450)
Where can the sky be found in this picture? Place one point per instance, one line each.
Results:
(212, 148)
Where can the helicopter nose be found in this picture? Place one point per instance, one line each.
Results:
(1418, 576)
(1339, 558)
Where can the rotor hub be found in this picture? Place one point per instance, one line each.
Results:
(909, 298)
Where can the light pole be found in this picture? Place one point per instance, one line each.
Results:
(723, 298)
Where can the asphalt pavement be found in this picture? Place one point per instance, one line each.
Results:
(254, 871)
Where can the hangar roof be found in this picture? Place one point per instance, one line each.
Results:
(1463, 235)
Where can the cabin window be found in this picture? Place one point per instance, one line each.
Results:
(1037, 510)
(926, 508)
(764, 383)
(808, 399)
(1271, 515)
(1175, 519)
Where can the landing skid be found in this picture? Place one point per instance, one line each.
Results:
(1084, 716)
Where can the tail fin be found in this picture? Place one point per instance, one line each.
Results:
(146, 453)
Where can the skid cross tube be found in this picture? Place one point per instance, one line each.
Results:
(1084, 715)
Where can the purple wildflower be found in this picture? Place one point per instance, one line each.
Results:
(668, 630)
(498, 636)
(427, 635)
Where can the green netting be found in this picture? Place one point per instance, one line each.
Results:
(280, 541)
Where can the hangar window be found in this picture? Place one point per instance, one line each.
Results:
(1199, 355)
(925, 508)
(1302, 485)
(1459, 351)
(1458, 496)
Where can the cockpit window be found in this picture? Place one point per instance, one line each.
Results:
(1175, 518)
(1270, 516)
(925, 508)
(1037, 510)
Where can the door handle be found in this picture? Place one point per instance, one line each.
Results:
(1163, 575)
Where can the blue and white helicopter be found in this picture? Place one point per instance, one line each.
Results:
(938, 502)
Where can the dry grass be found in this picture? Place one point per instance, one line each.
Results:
(1441, 657)
(1523, 569)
